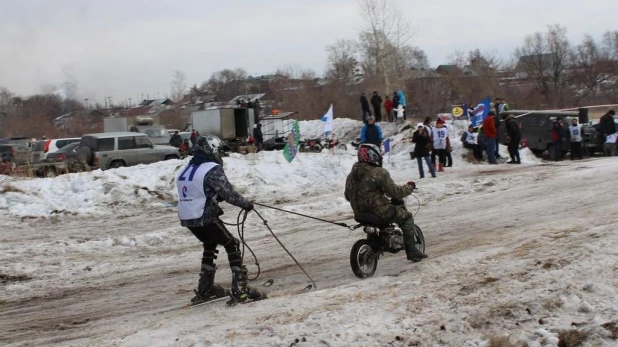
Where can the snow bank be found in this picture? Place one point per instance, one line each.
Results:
(258, 176)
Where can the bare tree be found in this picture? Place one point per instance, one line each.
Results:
(226, 83)
(296, 72)
(545, 58)
(179, 85)
(590, 68)
(341, 63)
(385, 32)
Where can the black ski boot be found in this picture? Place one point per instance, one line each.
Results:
(241, 292)
(207, 290)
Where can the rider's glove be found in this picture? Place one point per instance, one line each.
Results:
(412, 184)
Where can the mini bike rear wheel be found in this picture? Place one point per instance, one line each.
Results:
(363, 260)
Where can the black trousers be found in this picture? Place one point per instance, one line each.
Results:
(513, 148)
(576, 150)
(441, 153)
(211, 236)
(377, 111)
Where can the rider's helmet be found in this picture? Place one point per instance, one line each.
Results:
(208, 146)
(369, 153)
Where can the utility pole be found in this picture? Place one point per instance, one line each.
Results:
(130, 102)
(86, 100)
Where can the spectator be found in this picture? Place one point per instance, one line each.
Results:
(557, 135)
(176, 140)
(365, 106)
(257, 108)
(504, 106)
(609, 148)
(470, 140)
(497, 106)
(395, 102)
(376, 102)
(514, 138)
(258, 137)
(250, 104)
(400, 114)
(371, 133)
(402, 102)
(575, 138)
(449, 148)
(193, 137)
(388, 105)
(421, 150)
(470, 110)
(490, 133)
(607, 125)
(439, 142)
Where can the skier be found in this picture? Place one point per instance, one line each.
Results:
(366, 189)
(440, 141)
(201, 185)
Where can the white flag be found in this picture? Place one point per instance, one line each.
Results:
(328, 120)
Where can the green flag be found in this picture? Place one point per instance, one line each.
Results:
(291, 147)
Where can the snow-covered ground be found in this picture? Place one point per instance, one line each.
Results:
(525, 252)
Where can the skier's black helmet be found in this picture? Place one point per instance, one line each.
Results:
(208, 146)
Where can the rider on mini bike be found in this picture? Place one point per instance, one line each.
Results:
(367, 188)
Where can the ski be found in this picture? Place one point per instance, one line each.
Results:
(207, 302)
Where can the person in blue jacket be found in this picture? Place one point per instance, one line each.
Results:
(402, 102)
(371, 133)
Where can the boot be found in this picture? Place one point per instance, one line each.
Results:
(440, 168)
(206, 288)
(241, 292)
(412, 252)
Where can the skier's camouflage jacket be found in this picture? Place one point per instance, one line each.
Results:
(367, 188)
(217, 188)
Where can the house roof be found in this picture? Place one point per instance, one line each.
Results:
(535, 60)
(447, 68)
(247, 97)
(137, 111)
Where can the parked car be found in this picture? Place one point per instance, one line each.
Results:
(17, 154)
(41, 149)
(113, 150)
(66, 159)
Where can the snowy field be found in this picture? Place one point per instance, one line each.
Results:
(521, 253)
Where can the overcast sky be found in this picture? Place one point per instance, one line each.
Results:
(123, 48)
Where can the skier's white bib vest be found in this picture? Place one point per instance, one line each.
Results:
(190, 186)
(576, 133)
(439, 138)
(471, 138)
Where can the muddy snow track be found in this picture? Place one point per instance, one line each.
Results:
(97, 274)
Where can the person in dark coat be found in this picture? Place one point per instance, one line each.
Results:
(176, 140)
(607, 125)
(258, 137)
(376, 102)
(371, 133)
(421, 150)
(365, 107)
(557, 135)
(514, 136)
(395, 101)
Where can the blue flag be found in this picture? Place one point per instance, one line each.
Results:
(387, 146)
(480, 112)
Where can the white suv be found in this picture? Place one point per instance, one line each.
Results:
(43, 147)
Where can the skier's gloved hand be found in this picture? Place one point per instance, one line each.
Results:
(249, 207)
(412, 184)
